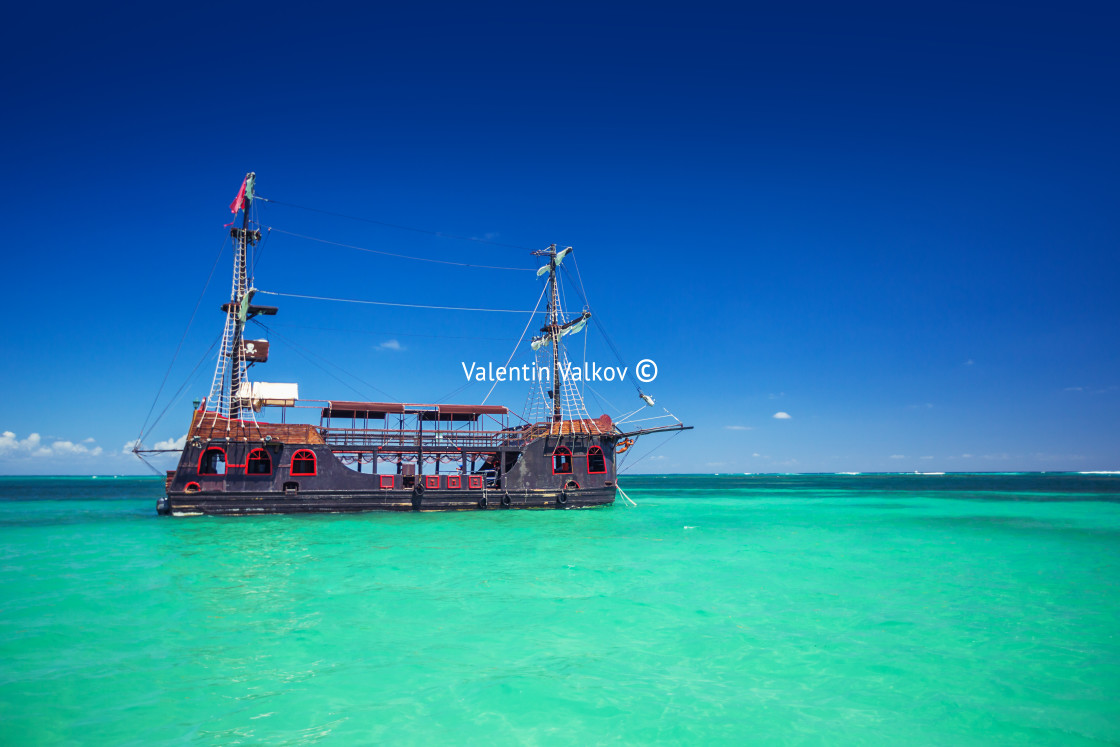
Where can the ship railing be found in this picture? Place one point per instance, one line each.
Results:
(392, 439)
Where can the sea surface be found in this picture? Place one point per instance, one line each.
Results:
(845, 609)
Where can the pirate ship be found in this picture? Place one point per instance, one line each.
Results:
(421, 457)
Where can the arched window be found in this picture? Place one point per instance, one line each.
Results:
(212, 461)
(596, 462)
(562, 461)
(303, 463)
(258, 463)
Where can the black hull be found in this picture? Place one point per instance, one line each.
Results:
(256, 504)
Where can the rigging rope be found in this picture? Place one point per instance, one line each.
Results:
(516, 346)
(179, 347)
(394, 254)
(388, 303)
(179, 392)
(599, 325)
(394, 225)
(307, 355)
(643, 456)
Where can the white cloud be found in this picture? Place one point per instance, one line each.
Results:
(658, 457)
(129, 446)
(33, 446)
(172, 443)
(9, 443)
(68, 447)
(970, 362)
(779, 395)
(926, 457)
(756, 454)
(898, 456)
(738, 427)
(1074, 389)
(782, 416)
(393, 345)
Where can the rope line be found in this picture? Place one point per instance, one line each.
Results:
(394, 254)
(394, 225)
(388, 303)
(179, 347)
(643, 456)
(516, 346)
(309, 357)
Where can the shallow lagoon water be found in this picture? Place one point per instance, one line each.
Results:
(724, 609)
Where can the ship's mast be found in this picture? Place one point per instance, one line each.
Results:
(239, 289)
(552, 329)
(239, 304)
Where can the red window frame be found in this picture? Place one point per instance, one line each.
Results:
(602, 456)
(387, 481)
(562, 450)
(475, 482)
(225, 461)
(431, 482)
(249, 459)
(454, 482)
(314, 463)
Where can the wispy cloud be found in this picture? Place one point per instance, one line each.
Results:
(393, 345)
(779, 395)
(898, 456)
(970, 362)
(739, 427)
(782, 416)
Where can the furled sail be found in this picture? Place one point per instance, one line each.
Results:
(570, 328)
(559, 258)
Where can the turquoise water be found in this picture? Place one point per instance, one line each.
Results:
(823, 609)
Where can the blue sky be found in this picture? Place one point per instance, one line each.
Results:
(897, 225)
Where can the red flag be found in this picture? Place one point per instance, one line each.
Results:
(239, 201)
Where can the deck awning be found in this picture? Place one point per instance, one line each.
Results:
(361, 410)
(378, 410)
